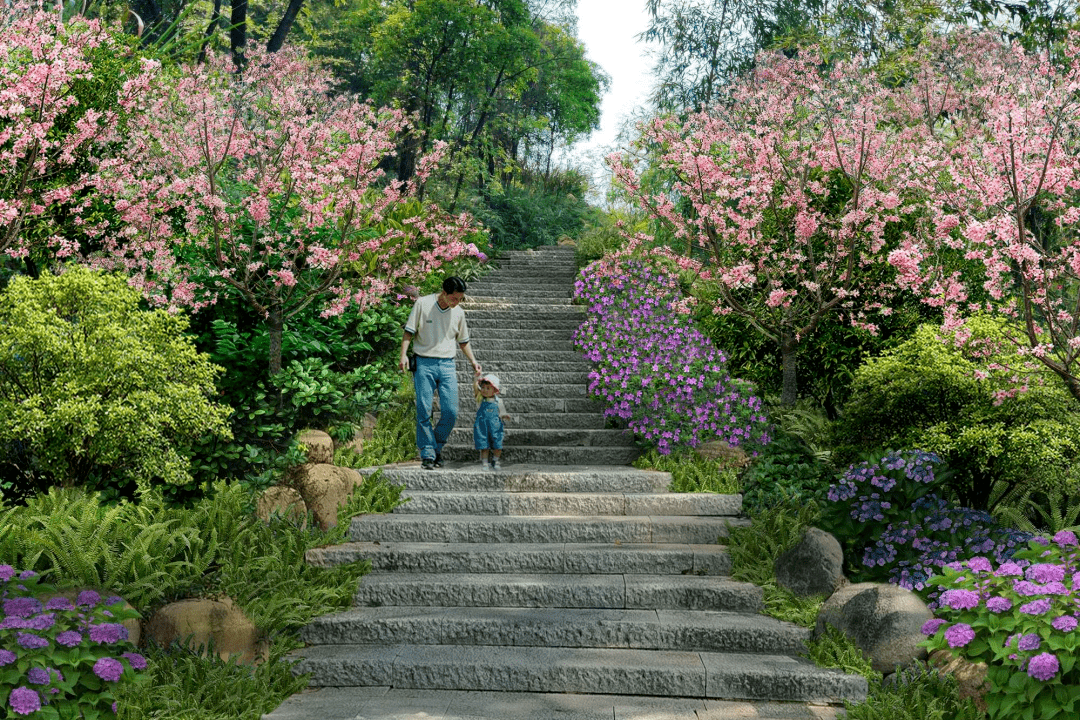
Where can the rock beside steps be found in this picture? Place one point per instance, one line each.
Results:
(542, 592)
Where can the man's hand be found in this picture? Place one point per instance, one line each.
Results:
(403, 363)
(477, 369)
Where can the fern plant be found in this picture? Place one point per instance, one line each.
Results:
(1047, 510)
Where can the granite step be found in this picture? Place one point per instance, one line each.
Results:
(525, 478)
(518, 293)
(538, 337)
(576, 504)
(387, 703)
(510, 356)
(496, 343)
(514, 378)
(529, 558)
(514, 321)
(654, 629)
(517, 435)
(467, 405)
(731, 676)
(541, 529)
(549, 455)
(526, 390)
(553, 420)
(492, 302)
(552, 590)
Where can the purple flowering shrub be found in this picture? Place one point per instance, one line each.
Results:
(653, 368)
(61, 658)
(885, 513)
(1020, 617)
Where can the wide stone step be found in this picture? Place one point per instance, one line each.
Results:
(554, 313)
(706, 631)
(526, 478)
(549, 455)
(467, 406)
(548, 503)
(507, 302)
(496, 344)
(518, 293)
(540, 529)
(550, 590)
(386, 703)
(518, 436)
(540, 421)
(526, 390)
(586, 670)
(509, 356)
(512, 377)
(557, 558)
(489, 325)
(500, 365)
(524, 334)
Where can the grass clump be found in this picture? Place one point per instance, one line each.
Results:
(393, 437)
(692, 473)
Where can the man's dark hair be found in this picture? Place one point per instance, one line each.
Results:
(453, 284)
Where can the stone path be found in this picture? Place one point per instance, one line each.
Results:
(567, 586)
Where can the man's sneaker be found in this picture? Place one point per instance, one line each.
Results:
(427, 463)
(496, 465)
(438, 460)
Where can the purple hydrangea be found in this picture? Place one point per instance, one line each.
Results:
(960, 599)
(6, 573)
(959, 635)
(25, 701)
(30, 641)
(37, 676)
(1043, 666)
(113, 600)
(69, 638)
(998, 604)
(1009, 569)
(41, 622)
(1065, 623)
(7, 657)
(1029, 642)
(1036, 607)
(1045, 573)
(108, 633)
(931, 626)
(137, 661)
(88, 598)
(22, 607)
(108, 669)
(58, 603)
(1066, 538)
(1026, 588)
(979, 564)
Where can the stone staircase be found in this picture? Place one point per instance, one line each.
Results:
(568, 585)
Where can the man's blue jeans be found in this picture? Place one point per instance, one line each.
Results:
(432, 374)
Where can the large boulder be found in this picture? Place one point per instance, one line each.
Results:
(325, 488)
(320, 446)
(970, 677)
(814, 566)
(885, 621)
(284, 501)
(731, 456)
(197, 623)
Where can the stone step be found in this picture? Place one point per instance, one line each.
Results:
(513, 377)
(540, 336)
(549, 455)
(731, 676)
(518, 436)
(538, 421)
(551, 590)
(509, 356)
(467, 406)
(529, 558)
(525, 390)
(541, 529)
(528, 504)
(505, 302)
(555, 312)
(706, 631)
(518, 293)
(519, 363)
(526, 478)
(499, 343)
(515, 322)
(386, 703)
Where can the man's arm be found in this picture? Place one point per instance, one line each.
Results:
(468, 353)
(403, 361)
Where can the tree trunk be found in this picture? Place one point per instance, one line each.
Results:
(210, 29)
(788, 346)
(238, 31)
(276, 324)
(287, 20)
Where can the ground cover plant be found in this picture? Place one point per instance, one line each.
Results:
(1019, 617)
(692, 473)
(653, 369)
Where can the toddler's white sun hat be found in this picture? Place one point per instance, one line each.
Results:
(493, 379)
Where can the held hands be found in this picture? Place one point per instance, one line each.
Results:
(403, 363)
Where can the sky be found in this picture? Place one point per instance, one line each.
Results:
(607, 28)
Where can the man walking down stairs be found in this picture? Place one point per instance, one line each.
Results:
(568, 585)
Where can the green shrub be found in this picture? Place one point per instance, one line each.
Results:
(537, 213)
(692, 473)
(785, 471)
(393, 438)
(916, 695)
(925, 394)
(95, 390)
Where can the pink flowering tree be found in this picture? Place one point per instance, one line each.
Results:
(268, 187)
(1000, 170)
(790, 185)
(46, 132)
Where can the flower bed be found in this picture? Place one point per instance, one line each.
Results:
(653, 368)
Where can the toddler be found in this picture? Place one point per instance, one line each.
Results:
(490, 414)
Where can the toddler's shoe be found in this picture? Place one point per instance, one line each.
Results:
(496, 465)
(484, 465)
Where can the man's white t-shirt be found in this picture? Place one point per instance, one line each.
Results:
(436, 332)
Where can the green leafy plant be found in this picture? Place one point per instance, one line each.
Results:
(1020, 619)
(928, 394)
(785, 471)
(97, 391)
(692, 473)
(61, 659)
(834, 649)
(394, 435)
(1048, 510)
(918, 694)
